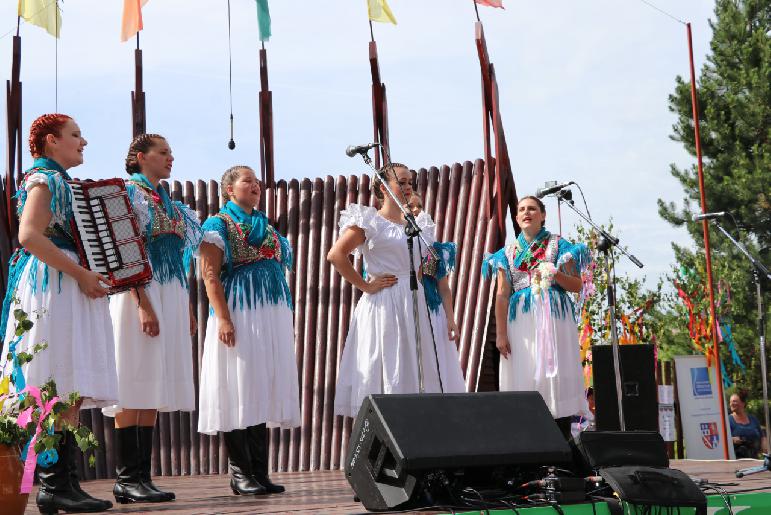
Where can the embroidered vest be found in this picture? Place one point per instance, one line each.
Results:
(520, 279)
(241, 252)
(161, 222)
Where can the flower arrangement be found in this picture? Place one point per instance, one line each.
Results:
(542, 277)
(29, 413)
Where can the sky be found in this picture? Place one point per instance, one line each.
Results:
(583, 85)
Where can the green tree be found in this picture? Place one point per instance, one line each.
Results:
(734, 92)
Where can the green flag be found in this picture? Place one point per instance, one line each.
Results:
(263, 19)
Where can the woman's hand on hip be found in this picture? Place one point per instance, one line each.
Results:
(375, 284)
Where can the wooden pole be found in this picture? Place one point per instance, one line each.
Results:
(707, 250)
(138, 114)
(266, 125)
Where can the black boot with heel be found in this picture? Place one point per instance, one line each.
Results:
(242, 481)
(129, 486)
(258, 449)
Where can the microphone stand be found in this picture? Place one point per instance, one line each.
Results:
(412, 230)
(757, 269)
(605, 244)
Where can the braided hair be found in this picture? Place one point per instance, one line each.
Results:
(43, 126)
(142, 143)
(230, 176)
(389, 171)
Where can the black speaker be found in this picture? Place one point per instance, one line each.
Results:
(638, 386)
(400, 444)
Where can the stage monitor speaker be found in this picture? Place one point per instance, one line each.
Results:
(599, 449)
(638, 387)
(400, 443)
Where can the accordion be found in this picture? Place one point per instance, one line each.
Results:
(107, 235)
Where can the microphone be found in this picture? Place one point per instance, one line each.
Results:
(359, 149)
(548, 190)
(709, 216)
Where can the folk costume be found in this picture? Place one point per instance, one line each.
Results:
(541, 327)
(154, 372)
(80, 355)
(253, 385)
(380, 354)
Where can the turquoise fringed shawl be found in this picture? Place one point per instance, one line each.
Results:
(561, 301)
(257, 282)
(445, 265)
(170, 256)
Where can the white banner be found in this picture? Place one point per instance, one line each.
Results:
(700, 409)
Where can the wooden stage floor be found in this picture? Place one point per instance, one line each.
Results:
(328, 493)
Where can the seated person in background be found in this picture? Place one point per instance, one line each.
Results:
(584, 419)
(748, 437)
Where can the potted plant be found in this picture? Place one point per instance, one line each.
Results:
(28, 416)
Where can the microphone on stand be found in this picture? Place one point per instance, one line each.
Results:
(709, 216)
(359, 149)
(548, 190)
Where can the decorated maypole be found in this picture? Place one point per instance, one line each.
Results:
(130, 26)
(713, 321)
(378, 10)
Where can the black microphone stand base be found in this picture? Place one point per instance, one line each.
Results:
(754, 470)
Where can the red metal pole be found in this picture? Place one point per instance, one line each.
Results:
(705, 228)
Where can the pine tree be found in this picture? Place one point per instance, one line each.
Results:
(734, 91)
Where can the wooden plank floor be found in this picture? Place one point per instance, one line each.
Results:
(319, 492)
(328, 493)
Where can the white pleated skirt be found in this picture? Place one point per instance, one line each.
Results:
(255, 381)
(380, 354)
(154, 372)
(80, 355)
(563, 393)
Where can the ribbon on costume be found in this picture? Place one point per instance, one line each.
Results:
(23, 420)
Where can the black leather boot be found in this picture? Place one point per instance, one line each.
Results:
(146, 454)
(56, 491)
(129, 486)
(241, 480)
(68, 448)
(258, 449)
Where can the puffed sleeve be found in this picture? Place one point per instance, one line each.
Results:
(141, 208)
(363, 217)
(61, 195)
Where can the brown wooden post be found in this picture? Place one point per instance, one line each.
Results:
(379, 109)
(9, 226)
(138, 113)
(266, 124)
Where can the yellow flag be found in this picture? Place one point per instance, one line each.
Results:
(379, 11)
(43, 13)
(132, 18)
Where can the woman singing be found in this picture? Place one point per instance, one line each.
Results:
(380, 354)
(249, 372)
(69, 301)
(153, 324)
(535, 320)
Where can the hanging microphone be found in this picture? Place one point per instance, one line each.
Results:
(709, 216)
(359, 149)
(548, 190)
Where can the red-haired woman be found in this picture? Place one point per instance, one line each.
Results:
(534, 315)
(68, 302)
(153, 324)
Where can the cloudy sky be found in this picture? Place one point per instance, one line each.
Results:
(583, 90)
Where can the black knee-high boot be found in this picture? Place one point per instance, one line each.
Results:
(258, 449)
(146, 454)
(69, 448)
(56, 490)
(242, 482)
(129, 486)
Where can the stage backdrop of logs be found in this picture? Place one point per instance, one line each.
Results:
(307, 211)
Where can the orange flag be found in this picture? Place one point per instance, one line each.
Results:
(132, 18)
